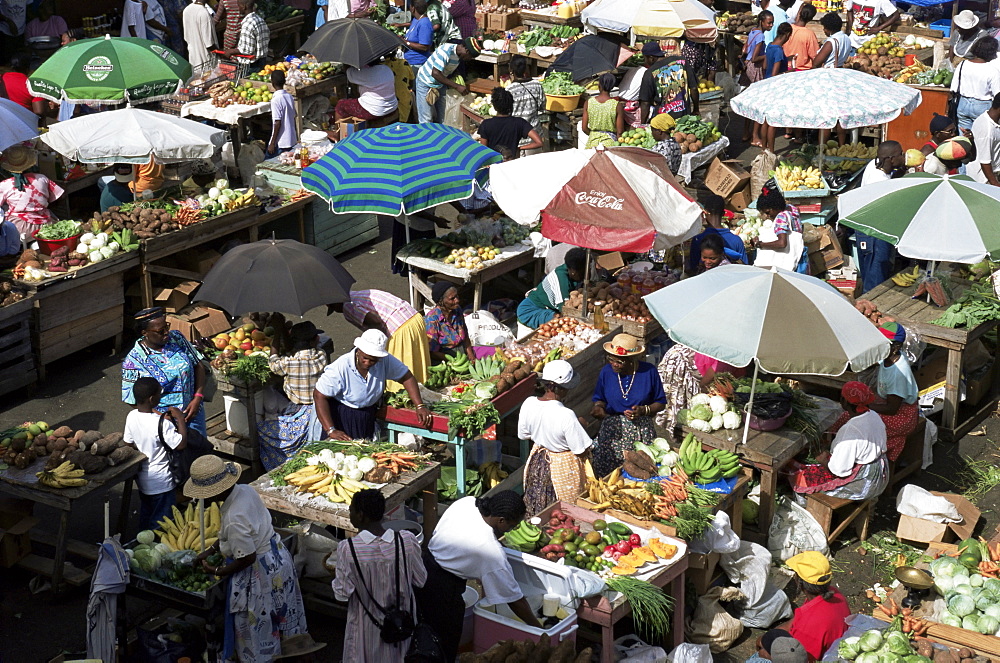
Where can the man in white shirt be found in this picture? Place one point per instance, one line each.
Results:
(133, 20)
(876, 256)
(283, 133)
(867, 18)
(376, 93)
(156, 21)
(986, 134)
(199, 33)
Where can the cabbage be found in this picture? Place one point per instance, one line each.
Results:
(700, 425)
(976, 580)
(897, 642)
(849, 648)
(951, 620)
(163, 549)
(961, 605)
(988, 625)
(222, 183)
(970, 623)
(961, 572)
(715, 422)
(944, 567)
(992, 585)
(107, 251)
(718, 404)
(885, 656)
(961, 586)
(944, 584)
(146, 536)
(993, 610)
(214, 192)
(486, 390)
(868, 657)
(984, 601)
(670, 458)
(870, 641)
(148, 560)
(366, 464)
(730, 420)
(701, 411)
(81, 248)
(224, 200)
(701, 399)
(86, 237)
(661, 444)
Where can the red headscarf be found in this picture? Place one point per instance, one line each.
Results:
(858, 394)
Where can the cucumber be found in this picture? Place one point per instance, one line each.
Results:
(619, 529)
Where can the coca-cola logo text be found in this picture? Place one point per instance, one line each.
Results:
(600, 200)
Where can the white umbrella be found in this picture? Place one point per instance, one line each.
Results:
(652, 18)
(783, 321)
(17, 124)
(131, 135)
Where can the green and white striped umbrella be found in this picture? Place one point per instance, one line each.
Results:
(110, 70)
(949, 218)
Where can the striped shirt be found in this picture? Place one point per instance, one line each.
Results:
(441, 17)
(301, 371)
(254, 36)
(390, 309)
(445, 59)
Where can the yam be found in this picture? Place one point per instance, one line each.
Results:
(41, 440)
(121, 455)
(89, 438)
(28, 254)
(59, 444)
(17, 444)
(684, 148)
(21, 461)
(584, 656)
(521, 373)
(77, 436)
(103, 447)
(88, 463)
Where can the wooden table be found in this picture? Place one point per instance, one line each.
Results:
(520, 256)
(22, 484)
(916, 315)
(767, 451)
(78, 184)
(402, 488)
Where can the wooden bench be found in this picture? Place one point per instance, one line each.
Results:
(823, 508)
(912, 456)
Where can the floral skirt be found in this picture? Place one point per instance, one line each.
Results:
(552, 476)
(618, 435)
(281, 438)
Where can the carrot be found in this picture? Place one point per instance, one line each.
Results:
(907, 627)
(885, 611)
(893, 607)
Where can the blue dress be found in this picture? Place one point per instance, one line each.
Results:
(173, 367)
(618, 433)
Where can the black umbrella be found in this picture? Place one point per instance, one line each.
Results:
(353, 41)
(275, 275)
(590, 56)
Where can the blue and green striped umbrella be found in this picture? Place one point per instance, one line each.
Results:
(402, 168)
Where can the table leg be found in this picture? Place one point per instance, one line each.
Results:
(608, 643)
(147, 286)
(477, 298)
(124, 508)
(768, 492)
(460, 465)
(302, 225)
(953, 378)
(414, 291)
(59, 558)
(429, 497)
(677, 592)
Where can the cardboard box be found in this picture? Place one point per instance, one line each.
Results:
(739, 200)
(16, 522)
(195, 322)
(503, 22)
(927, 531)
(349, 125)
(701, 570)
(611, 261)
(726, 177)
(825, 253)
(176, 298)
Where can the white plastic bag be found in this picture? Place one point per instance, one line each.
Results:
(749, 568)
(930, 439)
(630, 649)
(315, 545)
(794, 530)
(711, 624)
(920, 503)
(453, 101)
(485, 329)
(690, 653)
(718, 537)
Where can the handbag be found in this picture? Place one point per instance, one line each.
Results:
(211, 384)
(180, 460)
(953, 97)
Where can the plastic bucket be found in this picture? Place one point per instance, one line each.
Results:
(562, 103)
(471, 598)
(47, 246)
(406, 525)
(237, 421)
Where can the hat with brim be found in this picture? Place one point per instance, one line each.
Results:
(298, 645)
(210, 475)
(372, 343)
(624, 345)
(18, 158)
(560, 372)
(965, 20)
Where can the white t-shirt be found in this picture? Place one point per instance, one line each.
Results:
(986, 134)
(132, 16)
(142, 430)
(246, 524)
(465, 545)
(378, 88)
(283, 109)
(873, 174)
(154, 12)
(868, 13)
(980, 80)
(552, 425)
(859, 442)
(628, 89)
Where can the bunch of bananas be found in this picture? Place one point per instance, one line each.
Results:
(904, 279)
(485, 368)
(853, 150)
(492, 474)
(707, 466)
(797, 178)
(525, 537)
(246, 199)
(459, 363)
(554, 353)
(65, 475)
(319, 480)
(614, 491)
(439, 376)
(183, 532)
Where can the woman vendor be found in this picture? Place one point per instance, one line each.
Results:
(788, 251)
(661, 127)
(818, 622)
(545, 301)
(686, 373)
(258, 570)
(172, 361)
(556, 464)
(348, 393)
(445, 323)
(896, 391)
(465, 547)
(628, 395)
(26, 196)
(855, 468)
(282, 437)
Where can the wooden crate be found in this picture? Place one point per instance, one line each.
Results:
(17, 361)
(76, 335)
(644, 330)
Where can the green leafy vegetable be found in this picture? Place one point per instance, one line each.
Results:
(250, 369)
(59, 230)
(975, 306)
(560, 83)
(651, 606)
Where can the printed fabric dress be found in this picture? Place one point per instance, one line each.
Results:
(173, 367)
(601, 122)
(618, 433)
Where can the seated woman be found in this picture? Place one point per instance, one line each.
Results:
(788, 251)
(376, 93)
(661, 127)
(896, 393)
(545, 301)
(686, 373)
(282, 437)
(445, 323)
(819, 621)
(855, 468)
(555, 468)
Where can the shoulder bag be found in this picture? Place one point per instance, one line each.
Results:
(953, 97)
(180, 459)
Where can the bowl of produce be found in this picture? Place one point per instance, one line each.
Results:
(52, 236)
(562, 95)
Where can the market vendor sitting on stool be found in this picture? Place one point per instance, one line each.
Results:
(117, 191)
(819, 621)
(203, 176)
(856, 467)
(445, 323)
(555, 468)
(25, 196)
(348, 393)
(282, 437)
(545, 301)
(376, 94)
(628, 395)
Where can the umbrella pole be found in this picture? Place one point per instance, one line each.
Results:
(586, 283)
(201, 523)
(930, 274)
(746, 411)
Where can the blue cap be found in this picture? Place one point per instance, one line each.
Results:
(652, 48)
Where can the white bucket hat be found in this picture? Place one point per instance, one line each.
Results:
(560, 372)
(372, 343)
(965, 19)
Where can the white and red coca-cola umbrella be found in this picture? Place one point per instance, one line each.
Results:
(615, 199)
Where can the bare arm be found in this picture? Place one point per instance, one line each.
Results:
(178, 418)
(413, 391)
(536, 141)
(585, 120)
(229, 569)
(444, 80)
(825, 51)
(322, 405)
(521, 608)
(890, 407)
(758, 57)
(620, 119)
(778, 244)
(890, 20)
(990, 174)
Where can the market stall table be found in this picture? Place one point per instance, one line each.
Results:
(18, 364)
(232, 117)
(79, 184)
(692, 161)
(24, 485)
(290, 28)
(335, 85)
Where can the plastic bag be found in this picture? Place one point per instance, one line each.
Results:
(920, 503)
(630, 649)
(718, 537)
(453, 101)
(485, 329)
(794, 530)
(314, 545)
(930, 438)
(689, 653)
(169, 642)
(750, 567)
(760, 171)
(711, 624)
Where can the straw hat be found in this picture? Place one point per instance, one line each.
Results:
(298, 645)
(624, 345)
(372, 343)
(210, 475)
(965, 19)
(18, 158)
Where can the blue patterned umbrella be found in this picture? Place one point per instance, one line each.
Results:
(402, 168)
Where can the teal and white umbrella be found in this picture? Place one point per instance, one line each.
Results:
(949, 218)
(783, 321)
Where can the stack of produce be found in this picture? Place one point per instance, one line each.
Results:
(709, 413)
(87, 450)
(664, 458)
(981, 271)
(850, 150)
(940, 77)
(221, 199)
(640, 137)
(542, 651)
(274, 11)
(797, 178)
(145, 218)
(223, 94)
(978, 304)
(706, 86)
(970, 587)
(248, 93)
(623, 299)
(741, 24)
(183, 530)
(749, 228)
(882, 56)
(875, 646)
(556, 37)
(870, 311)
(560, 83)
(482, 105)
(693, 133)
(492, 474)
(705, 467)
(908, 73)
(298, 73)
(10, 293)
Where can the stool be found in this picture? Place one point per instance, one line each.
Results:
(384, 121)
(912, 456)
(823, 508)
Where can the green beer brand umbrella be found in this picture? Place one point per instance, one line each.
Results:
(110, 71)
